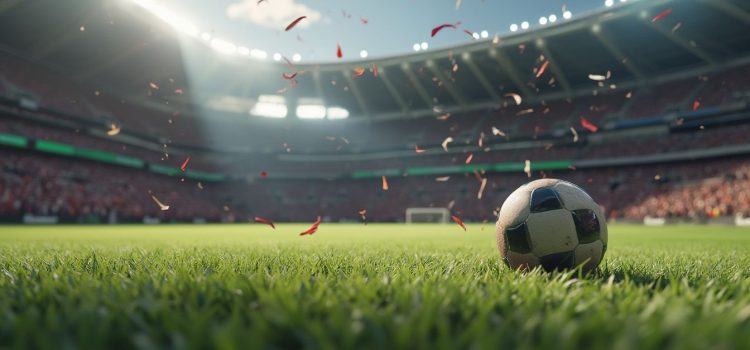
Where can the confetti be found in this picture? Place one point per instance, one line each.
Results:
(363, 214)
(364, 20)
(200, 185)
(443, 116)
(441, 27)
(178, 91)
(575, 134)
(446, 142)
(629, 94)
(261, 220)
(419, 150)
(294, 23)
(516, 97)
(696, 105)
(161, 205)
(527, 168)
(597, 77)
(525, 111)
(358, 72)
(442, 178)
(263, 173)
(481, 188)
(458, 221)
(374, 70)
(184, 165)
(542, 68)
(288, 76)
(589, 125)
(469, 158)
(114, 130)
(153, 86)
(661, 15)
(455, 67)
(458, 4)
(312, 229)
(676, 27)
(497, 132)
(339, 53)
(385, 183)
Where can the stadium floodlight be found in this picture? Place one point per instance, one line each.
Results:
(542, 20)
(514, 27)
(609, 3)
(277, 57)
(180, 24)
(524, 25)
(552, 18)
(311, 111)
(484, 34)
(363, 54)
(475, 35)
(337, 113)
(567, 14)
(296, 57)
(243, 51)
(415, 47)
(223, 46)
(259, 54)
(270, 106)
(424, 45)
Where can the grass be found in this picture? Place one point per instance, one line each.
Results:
(354, 286)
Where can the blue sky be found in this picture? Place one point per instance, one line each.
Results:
(393, 25)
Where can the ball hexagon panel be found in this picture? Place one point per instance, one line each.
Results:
(557, 261)
(544, 199)
(587, 225)
(552, 232)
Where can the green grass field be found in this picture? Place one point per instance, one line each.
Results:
(355, 286)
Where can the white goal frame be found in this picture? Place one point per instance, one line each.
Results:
(443, 212)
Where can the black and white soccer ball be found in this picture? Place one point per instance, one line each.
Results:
(553, 224)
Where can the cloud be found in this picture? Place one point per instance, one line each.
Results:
(276, 14)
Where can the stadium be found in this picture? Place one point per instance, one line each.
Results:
(156, 174)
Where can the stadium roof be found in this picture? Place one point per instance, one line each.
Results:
(629, 43)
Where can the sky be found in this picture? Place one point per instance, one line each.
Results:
(392, 26)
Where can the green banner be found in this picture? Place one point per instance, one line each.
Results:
(13, 140)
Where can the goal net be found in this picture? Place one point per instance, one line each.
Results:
(434, 215)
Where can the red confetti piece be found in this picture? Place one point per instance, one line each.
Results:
(261, 220)
(364, 20)
(363, 215)
(469, 158)
(312, 229)
(294, 23)
(661, 15)
(418, 150)
(178, 91)
(385, 183)
(589, 125)
(374, 70)
(441, 27)
(458, 221)
(339, 53)
(358, 72)
(696, 105)
(469, 33)
(542, 69)
(184, 165)
(288, 76)
(263, 173)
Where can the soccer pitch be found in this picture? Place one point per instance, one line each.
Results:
(357, 286)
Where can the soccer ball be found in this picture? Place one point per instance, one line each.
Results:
(553, 224)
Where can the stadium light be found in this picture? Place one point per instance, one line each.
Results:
(270, 106)
(259, 54)
(424, 45)
(311, 111)
(277, 57)
(552, 18)
(415, 47)
(296, 57)
(485, 34)
(524, 25)
(180, 24)
(363, 54)
(542, 20)
(475, 35)
(609, 3)
(243, 51)
(223, 46)
(514, 27)
(337, 113)
(567, 14)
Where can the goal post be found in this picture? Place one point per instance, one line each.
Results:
(431, 215)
